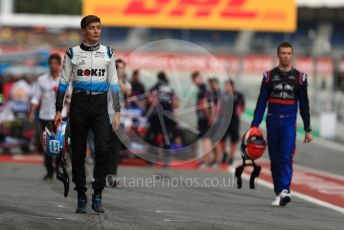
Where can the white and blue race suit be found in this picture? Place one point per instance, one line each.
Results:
(92, 71)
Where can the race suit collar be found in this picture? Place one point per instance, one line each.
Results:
(283, 71)
(87, 47)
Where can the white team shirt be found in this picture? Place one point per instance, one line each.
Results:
(45, 94)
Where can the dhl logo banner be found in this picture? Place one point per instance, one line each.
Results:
(258, 15)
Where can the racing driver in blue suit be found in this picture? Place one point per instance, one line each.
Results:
(283, 88)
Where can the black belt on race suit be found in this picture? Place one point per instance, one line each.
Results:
(79, 92)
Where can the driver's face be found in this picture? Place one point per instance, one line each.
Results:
(92, 32)
(285, 55)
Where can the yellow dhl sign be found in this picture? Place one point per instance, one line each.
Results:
(258, 15)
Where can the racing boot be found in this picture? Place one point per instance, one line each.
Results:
(97, 204)
(82, 204)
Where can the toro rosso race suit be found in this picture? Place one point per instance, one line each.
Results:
(92, 71)
(283, 92)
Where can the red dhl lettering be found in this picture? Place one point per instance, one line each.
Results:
(138, 7)
(201, 8)
(234, 9)
(236, 3)
(262, 15)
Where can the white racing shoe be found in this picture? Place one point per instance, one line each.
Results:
(285, 197)
(277, 201)
(282, 199)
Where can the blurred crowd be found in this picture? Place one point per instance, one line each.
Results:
(151, 113)
(38, 36)
(16, 92)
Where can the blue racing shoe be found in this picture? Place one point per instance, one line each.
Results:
(97, 204)
(82, 204)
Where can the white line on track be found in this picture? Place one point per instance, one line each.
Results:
(328, 174)
(161, 211)
(296, 194)
(168, 220)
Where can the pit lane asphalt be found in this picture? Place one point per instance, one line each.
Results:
(318, 155)
(27, 202)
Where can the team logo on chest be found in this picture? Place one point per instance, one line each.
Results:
(99, 54)
(276, 77)
(82, 62)
(91, 72)
(283, 90)
(292, 78)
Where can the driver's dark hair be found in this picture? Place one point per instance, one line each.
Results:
(85, 21)
(284, 45)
